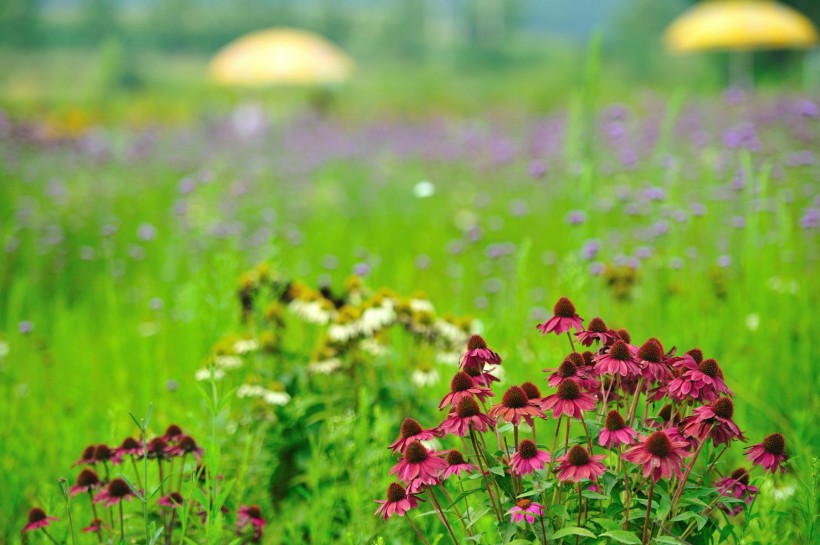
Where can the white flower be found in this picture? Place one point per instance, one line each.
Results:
(783, 493)
(325, 367)
(276, 398)
(250, 390)
(375, 318)
(228, 363)
(425, 378)
(374, 347)
(343, 332)
(4, 348)
(421, 305)
(205, 374)
(496, 370)
(245, 345)
(424, 189)
(311, 311)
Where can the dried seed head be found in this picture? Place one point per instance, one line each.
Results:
(455, 458)
(564, 308)
(531, 390)
(741, 475)
(87, 477)
(614, 421)
(475, 342)
(515, 398)
(527, 449)
(567, 369)
(619, 351)
(774, 444)
(578, 456)
(395, 492)
(467, 407)
(724, 408)
(409, 428)
(651, 351)
(710, 368)
(416, 453)
(569, 390)
(118, 488)
(696, 354)
(596, 325)
(625, 336)
(461, 382)
(659, 444)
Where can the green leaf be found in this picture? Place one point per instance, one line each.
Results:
(622, 536)
(668, 540)
(573, 531)
(520, 542)
(606, 524)
(593, 495)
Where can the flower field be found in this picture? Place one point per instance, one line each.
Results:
(589, 325)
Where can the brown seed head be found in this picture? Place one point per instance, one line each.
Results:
(531, 390)
(619, 351)
(696, 354)
(409, 428)
(724, 408)
(658, 444)
(614, 421)
(651, 351)
(564, 308)
(578, 456)
(527, 449)
(416, 453)
(569, 390)
(596, 325)
(87, 477)
(395, 492)
(455, 458)
(118, 488)
(476, 341)
(567, 369)
(515, 398)
(741, 475)
(774, 444)
(709, 368)
(624, 335)
(36, 515)
(461, 382)
(467, 407)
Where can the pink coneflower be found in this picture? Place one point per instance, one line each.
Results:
(102, 454)
(173, 500)
(713, 421)
(467, 414)
(577, 464)
(129, 447)
(157, 448)
(185, 445)
(87, 481)
(770, 454)
(528, 458)
(477, 352)
(116, 492)
(251, 515)
(569, 400)
(398, 502)
(596, 331)
(618, 360)
(532, 391)
(411, 431)
(651, 361)
(572, 368)
(700, 381)
(463, 386)
(563, 320)
(37, 518)
(173, 433)
(419, 465)
(659, 456)
(514, 406)
(615, 431)
(736, 486)
(94, 528)
(456, 464)
(87, 457)
(525, 510)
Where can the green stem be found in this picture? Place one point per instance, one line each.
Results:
(648, 507)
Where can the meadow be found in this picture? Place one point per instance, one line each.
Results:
(126, 252)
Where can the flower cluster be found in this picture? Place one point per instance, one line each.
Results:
(635, 418)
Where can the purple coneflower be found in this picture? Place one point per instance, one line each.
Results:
(463, 386)
(87, 457)
(564, 319)
(713, 421)
(659, 456)
(466, 415)
(525, 510)
(456, 464)
(514, 406)
(398, 502)
(94, 528)
(478, 374)
(102, 453)
(173, 433)
(157, 448)
(185, 445)
(87, 481)
(173, 500)
(577, 464)
(528, 458)
(569, 400)
(770, 454)
(650, 361)
(615, 431)
(618, 360)
(411, 431)
(37, 518)
(251, 515)
(419, 465)
(128, 447)
(117, 491)
(596, 331)
(477, 352)
(701, 381)
(736, 486)
(572, 368)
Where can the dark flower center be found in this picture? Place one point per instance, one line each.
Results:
(569, 390)
(475, 342)
(624, 335)
(461, 382)
(531, 390)
(187, 444)
(576, 358)
(455, 458)
(651, 351)
(527, 449)
(176, 498)
(102, 453)
(523, 504)
(88, 453)
(472, 369)
(587, 357)
(696, 354)
(36, 515)
(409, 428)
(515, 398)
(564, 308)
(614, 421)
(619, 351)
(467, 407)
(254, 512)
(658, 444)
(596, 325)
(173, 430)
(395, 492)
(129, 443)
(416, 453)
(87, 477)
(741, 475)
(724, 408)
(567, 369)
(774, 444)
(709, 368)
(118, 488)
(666, 413)
(578, 456)
(157, 444)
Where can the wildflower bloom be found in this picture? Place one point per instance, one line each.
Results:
(770, 454)
(466, 414)
(713, 421)
(463, 386)
(525, 510)
(129, 446)
(596, 331)
(102, 454)
(157, 448)
(701, 381)
(172, 500)
(87, 481)
(618, 360)
(532, 391)
(572, 368)
(185, 445)
(411, 431)
(398, 502)
(736, 486)
(419, 465)
(569, 400)
(477, 352)
(615, 431)
(650, 360)
(251, 515)
(659, 455)
(456, 464)
(173, 433)
(95, 527)
(528, 458)
(479, 374)
(514, 406)
(564, 319)
(87, 457)
(116, 492)
(37, 518)
(577, 464)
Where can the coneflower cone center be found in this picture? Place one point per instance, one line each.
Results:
(515, 398)
(523, 504)
(569, 390)
(176, 498)
(709, 368)
(36, 515)
(619, 351)
(467, 407)
(455, 458)
(88, 453)
(157, 445)
(578, 456)
(527, 449)
(475, 342)
(741, 475)
(130, 443)
(576, 358)
(659, 445)
(564, 308)
(724, 408)
(567, 369)
(596, 325)
(774, 444)
(614, 421)
(102, 453)
(254, 512)
(187, 444)
(624, 335)
(87, 478)
(409, 428)
(416, 453)
(395, 492)
(472, 369)
(666, 413)
(118, 488)
(650, 351)
(461, 382)
(696, 354)
(531, 390)
(173, 431)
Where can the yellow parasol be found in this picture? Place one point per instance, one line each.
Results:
(280, 56)
(739, 25)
